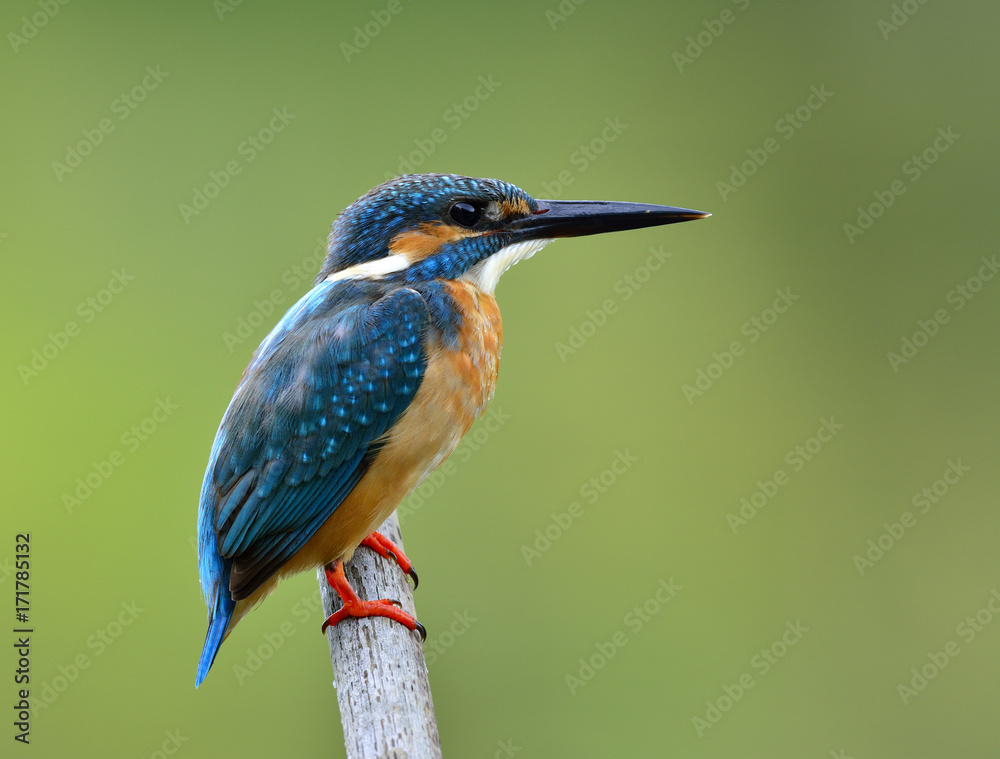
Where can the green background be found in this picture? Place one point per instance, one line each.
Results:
(503, 680)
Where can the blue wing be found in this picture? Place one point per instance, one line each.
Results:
(304, 423)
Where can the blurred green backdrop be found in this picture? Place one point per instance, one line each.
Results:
(167, 172)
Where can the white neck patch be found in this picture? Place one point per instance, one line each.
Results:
(372, 269)
(487, 272)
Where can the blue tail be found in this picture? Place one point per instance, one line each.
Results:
(223, 612)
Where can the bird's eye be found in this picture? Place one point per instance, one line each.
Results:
(465, 214)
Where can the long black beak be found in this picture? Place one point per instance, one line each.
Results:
(575, 218)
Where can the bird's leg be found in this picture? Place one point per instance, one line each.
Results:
(381, 545)
(355, 607)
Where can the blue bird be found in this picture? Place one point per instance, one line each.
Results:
(368, 383)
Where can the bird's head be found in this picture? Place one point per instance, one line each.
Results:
(420, 227)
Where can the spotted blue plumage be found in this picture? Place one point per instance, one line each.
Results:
(305, 421)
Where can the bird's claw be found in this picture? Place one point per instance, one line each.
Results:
(390, 608)
(389, 550)
(355, 607)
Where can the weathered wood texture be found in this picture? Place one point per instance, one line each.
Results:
(378, 666)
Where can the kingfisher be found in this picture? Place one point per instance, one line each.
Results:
(368, 383)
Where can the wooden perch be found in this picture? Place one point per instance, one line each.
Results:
(378, 666)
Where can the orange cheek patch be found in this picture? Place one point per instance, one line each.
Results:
(417, 244)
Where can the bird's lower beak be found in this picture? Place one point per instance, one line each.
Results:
(575, 218)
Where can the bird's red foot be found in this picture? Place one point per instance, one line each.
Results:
(385, 548)
(355, 607)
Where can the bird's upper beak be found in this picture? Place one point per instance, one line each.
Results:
(575, 218)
